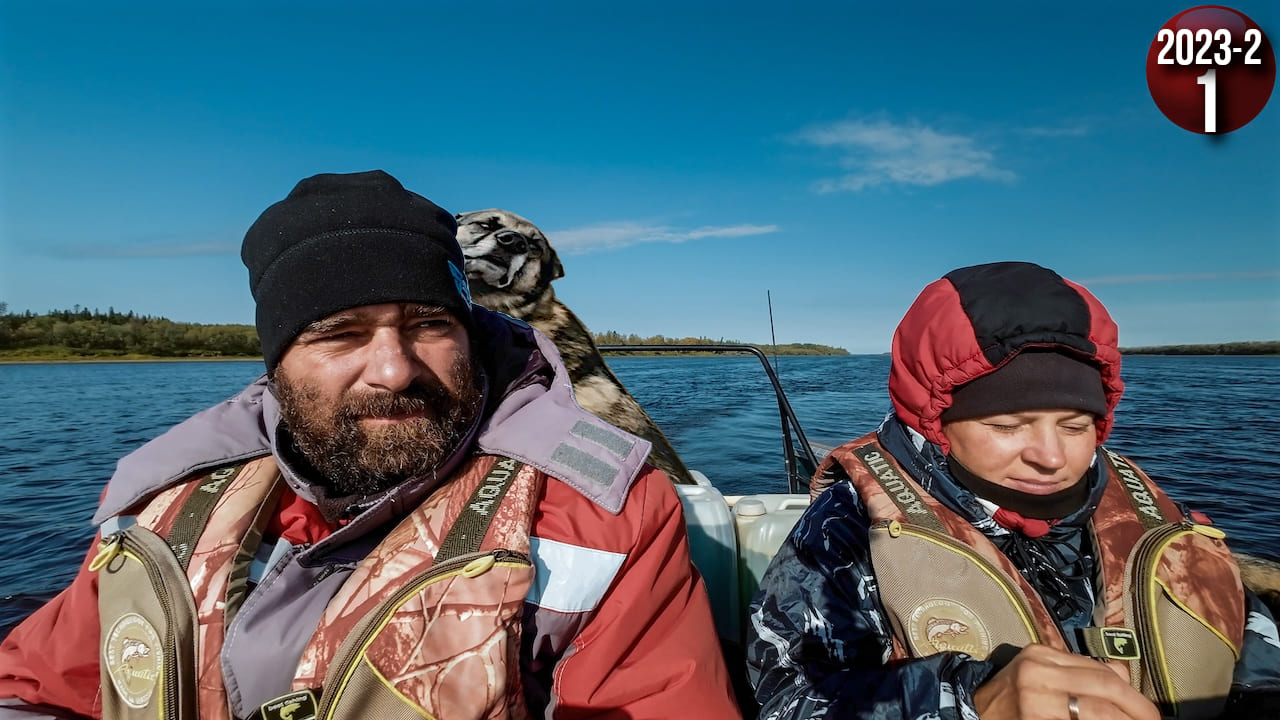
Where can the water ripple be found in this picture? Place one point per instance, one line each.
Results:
(1206, 426)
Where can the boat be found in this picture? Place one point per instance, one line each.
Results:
(732, 538)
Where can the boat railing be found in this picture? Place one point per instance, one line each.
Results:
(799, 465)
(733, 538)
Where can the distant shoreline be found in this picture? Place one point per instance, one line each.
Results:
(1190, 351)
(83, 335)
(70, 360)
(1252, 347)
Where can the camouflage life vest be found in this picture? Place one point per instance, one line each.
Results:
(427, 625)
(1171, 617)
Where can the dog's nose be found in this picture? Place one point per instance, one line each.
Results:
(512, 242)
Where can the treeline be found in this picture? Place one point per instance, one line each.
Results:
(1269, 347)
(90, 333)
(616, 338)
(85, 333)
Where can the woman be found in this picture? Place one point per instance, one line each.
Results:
(981, 554)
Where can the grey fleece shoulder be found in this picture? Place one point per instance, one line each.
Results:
(231, 431)
(568, 443)
(545, 428)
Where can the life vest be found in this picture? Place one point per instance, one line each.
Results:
(427, 625)
(1171, 617)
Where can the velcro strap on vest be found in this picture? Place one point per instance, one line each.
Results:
(1111, 643)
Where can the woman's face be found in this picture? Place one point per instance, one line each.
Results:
(1037, 452)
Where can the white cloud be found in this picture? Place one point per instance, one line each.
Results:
(1181, 277)
(883, 153)
(611, 236)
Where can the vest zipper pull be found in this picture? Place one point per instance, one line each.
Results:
(479, 566)
(1209, 531)
(107, 549)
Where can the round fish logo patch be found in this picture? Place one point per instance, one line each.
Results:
(945, 625)
(133, 660)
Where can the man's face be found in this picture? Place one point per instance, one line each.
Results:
(378, 394)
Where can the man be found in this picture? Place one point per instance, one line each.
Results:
(407, 516)
(982, 555)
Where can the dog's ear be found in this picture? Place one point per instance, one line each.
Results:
(557, 270)
(457, 216)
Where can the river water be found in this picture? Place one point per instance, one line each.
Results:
(1207, 427)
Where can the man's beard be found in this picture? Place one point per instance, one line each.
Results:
(355, 460)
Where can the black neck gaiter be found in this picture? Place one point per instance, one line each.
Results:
(1041, 507)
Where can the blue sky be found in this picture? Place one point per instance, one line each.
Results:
(684, 158)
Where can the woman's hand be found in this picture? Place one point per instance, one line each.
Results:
(1040, 683)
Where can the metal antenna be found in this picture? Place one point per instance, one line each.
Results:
(769, 296)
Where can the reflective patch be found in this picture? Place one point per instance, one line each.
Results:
(131, 652)
(945, 625)
(570, 578)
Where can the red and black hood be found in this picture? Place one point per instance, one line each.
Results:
(975, 319)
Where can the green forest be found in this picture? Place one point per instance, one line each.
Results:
(1271, 347)
(616, 338)
(84, 334)
(81, 333)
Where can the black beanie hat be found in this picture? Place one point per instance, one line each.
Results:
(1031, 380)
(343, 240)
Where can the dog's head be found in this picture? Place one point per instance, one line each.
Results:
(509, 262)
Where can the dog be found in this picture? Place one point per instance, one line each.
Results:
(510, 265)
(1262, 576)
